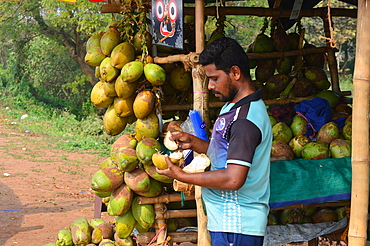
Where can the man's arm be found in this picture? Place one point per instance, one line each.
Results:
(231, 178)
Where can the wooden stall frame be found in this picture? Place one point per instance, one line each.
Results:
(360, 156)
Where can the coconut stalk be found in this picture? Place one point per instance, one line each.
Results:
(360, 130)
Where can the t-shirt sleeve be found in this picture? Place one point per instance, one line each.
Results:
(244, 139)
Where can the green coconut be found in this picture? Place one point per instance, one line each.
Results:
(291, 216)
(315, 151)
(113, 124)
(132, 71)
(94, 56)
(328, 132)
(144, 104)
(102, 231)
(128, 241)
(151, 170)
(280, 39)
(108, 73)
(146, 148)
(143, 213)
(154, 73)
(148, 127)
(313, 59)
(120, 200)
(81, 231)
(95, 222)
(277, 83)
(109, 89)
(284, 65)
(125, 224)
(271, 220)
(265, 69)
(103, 194)
(263, 44)
(324, 215)
(341, 212)
(281, 151)
(110, 39)
(272, 120)
(122, 54)
(125, 140)
(155, 189)
(107, 242)
(330, 96)
(297, 143)
(347, 131)
(126, 159)
(93, 41)
(98, 96)
(125, 89)
(318, 78)
(281, 131)
(303, 87)
(298, 125)
(64, 238)
(137, 179)
(124, 107)
(180, 79)
(340, 148)
(106, 179)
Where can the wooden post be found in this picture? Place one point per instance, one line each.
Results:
(200, 104)
(160, 222)
(332, 60)
(360, 130)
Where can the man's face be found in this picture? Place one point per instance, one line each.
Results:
(220, 83)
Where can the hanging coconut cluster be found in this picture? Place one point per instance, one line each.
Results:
(275, 75)
(132, 88)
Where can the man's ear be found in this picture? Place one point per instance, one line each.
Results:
(235, 72)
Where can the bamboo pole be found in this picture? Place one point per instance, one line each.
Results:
(166, 198)
(170, 214)
(360, 130)
(178, 237)
(200, 104)
(256, 11)
(160, 223)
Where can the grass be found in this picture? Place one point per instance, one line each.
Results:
(60, 127)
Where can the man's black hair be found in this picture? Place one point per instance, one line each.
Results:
(225, 53)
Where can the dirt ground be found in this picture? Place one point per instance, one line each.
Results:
(42, 189)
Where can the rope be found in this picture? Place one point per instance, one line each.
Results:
(156, 236)
(331, 40)
(183, 197)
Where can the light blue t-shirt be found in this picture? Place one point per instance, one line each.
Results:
(245, 210)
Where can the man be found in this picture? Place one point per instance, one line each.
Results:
(236, 190)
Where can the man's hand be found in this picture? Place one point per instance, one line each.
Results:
(172, 171)
(187, 141)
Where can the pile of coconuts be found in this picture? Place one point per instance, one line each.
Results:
(274, 75)
(306, 215)
(291, 141)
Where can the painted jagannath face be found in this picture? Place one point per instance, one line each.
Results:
(166, 13)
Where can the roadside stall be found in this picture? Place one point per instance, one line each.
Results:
(300, 183)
